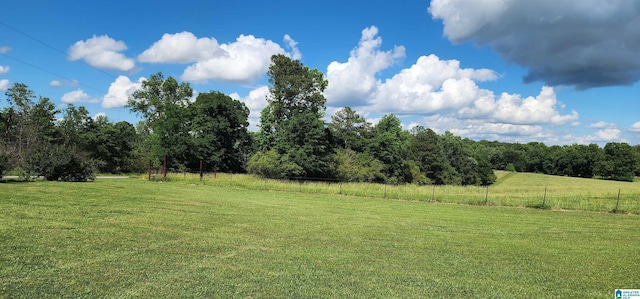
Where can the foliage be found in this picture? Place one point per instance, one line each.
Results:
(350, 130)
(60, 163)
(389, 146)
(292, 123)
(220, 132)
(352, 166)
(619, 162)
(273, 165)
(164, 105)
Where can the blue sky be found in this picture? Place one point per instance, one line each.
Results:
(515, 71)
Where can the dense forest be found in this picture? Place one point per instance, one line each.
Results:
(36, 139)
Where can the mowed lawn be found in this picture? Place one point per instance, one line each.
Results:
(133, 238)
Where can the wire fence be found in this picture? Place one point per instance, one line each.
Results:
(552, 197)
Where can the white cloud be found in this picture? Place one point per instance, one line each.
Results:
(445, 94)
(4, 50)
(4, 69)
(77, 96)
(432, 85)
(607, 135)
(4, 84)
(57, 83)
(635, 127)
(256, 101)
(601, 125)
(293, 46)
(354, 81)
(99, 115)
(120, 91)
(183, 47)
(243, 61)
(539, 110)
(102, 52)
(588, 45)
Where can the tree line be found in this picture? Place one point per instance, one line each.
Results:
(293, 140)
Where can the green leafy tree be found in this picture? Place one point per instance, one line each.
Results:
(350, 130)
(18, 135)
(113, 145)
(220, 131)
(430, 156)
(619, 162)
(389, 146)
(164, 105)
(292, 123)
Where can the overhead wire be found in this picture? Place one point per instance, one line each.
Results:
(56, 50)
(50, 72)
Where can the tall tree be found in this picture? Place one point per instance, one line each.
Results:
(220, 131)
(350, 130)
(430, 156)
(389, 146)
(19, 137)
(619, 162)
(292, 123)
(163, 103)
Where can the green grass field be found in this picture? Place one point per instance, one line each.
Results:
(133, 238)
(511, 189)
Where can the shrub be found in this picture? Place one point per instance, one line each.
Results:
(60, 162)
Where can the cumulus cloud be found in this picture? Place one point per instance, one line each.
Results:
(635, 127)
(601, 125)
(607, 134)
(588, 45)
(480, 129)
(445, 97)
(102, 52)
(4, 50)
(434, 86)
(4, 84)
(100, 115)
(183, 47)
(58, 83)
(256, 101)
(77, 96)
(293, 46)
(243, 61)
(120, 91)
(355, 81)
(4, 69)
(443, 93)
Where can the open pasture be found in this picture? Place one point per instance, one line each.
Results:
(511, 189)
(133, 238)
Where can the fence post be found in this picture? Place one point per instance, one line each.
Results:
(617, 202)
(340, 187)
(231, 179)
(486, 196)
(300, 182)
(201, 170)
(164, 169)
(433, 192)
(149, 170)
(265, 183)
(544, 200)
(385, 190)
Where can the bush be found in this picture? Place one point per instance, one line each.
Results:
(271, 165)
(60, 163)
